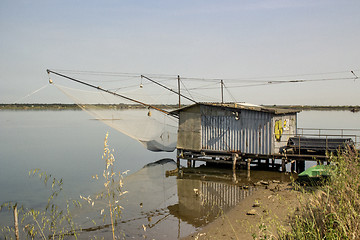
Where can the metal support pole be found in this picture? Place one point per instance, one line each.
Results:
(179, 91)
(222, 91)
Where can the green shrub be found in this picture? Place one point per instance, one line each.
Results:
(331, 211)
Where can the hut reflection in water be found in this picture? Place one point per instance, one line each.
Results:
(200, 202)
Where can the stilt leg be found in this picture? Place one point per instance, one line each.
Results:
(293, 166)
(234, 159)
(283, 165)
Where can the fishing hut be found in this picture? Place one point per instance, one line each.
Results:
(236, 133)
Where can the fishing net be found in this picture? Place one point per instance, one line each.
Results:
(156, 130)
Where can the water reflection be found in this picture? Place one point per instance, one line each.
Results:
(200, 202)
(145, 212)
(68, 145)
(172, 207)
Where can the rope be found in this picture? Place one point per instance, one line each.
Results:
(28, 95)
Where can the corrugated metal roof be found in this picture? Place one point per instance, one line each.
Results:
(247, 106)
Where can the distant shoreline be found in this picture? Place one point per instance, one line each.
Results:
(355, 108)
(61, 106)
(74, 107)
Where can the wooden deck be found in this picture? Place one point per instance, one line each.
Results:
(238, 159)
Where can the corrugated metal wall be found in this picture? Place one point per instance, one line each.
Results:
(242, 130)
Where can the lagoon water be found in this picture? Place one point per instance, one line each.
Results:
(69, 145)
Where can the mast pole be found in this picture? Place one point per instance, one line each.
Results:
(222, 91)
(178, 78)
(107, 91)
(161, 85)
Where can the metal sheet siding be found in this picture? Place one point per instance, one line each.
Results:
(223, 131)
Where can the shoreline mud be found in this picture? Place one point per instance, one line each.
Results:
(269, 207)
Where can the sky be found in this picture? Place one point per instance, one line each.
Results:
(253, 40)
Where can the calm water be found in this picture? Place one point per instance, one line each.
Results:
(69, 145)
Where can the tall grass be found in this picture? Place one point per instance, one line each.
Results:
(55, 221)
(331, 211)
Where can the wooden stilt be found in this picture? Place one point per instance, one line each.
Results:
(234, 177)
(300, 166)
(283, 165)
(248, 168)
(293, 166)
(178, 159)
(234, 159)
(189, 163)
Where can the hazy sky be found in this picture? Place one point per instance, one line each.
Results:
(226, 39)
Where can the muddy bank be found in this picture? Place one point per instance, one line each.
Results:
(271, 205)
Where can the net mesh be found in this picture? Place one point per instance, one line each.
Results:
(156, 130)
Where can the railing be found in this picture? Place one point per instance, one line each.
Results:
(354, 134)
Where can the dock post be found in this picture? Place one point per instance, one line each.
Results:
(283, 165)
(193, 163)
(293, 166)
(189, 163)
(178, 159)
(234, 159)
(248, 167)
(273, 163)
(300, 166)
